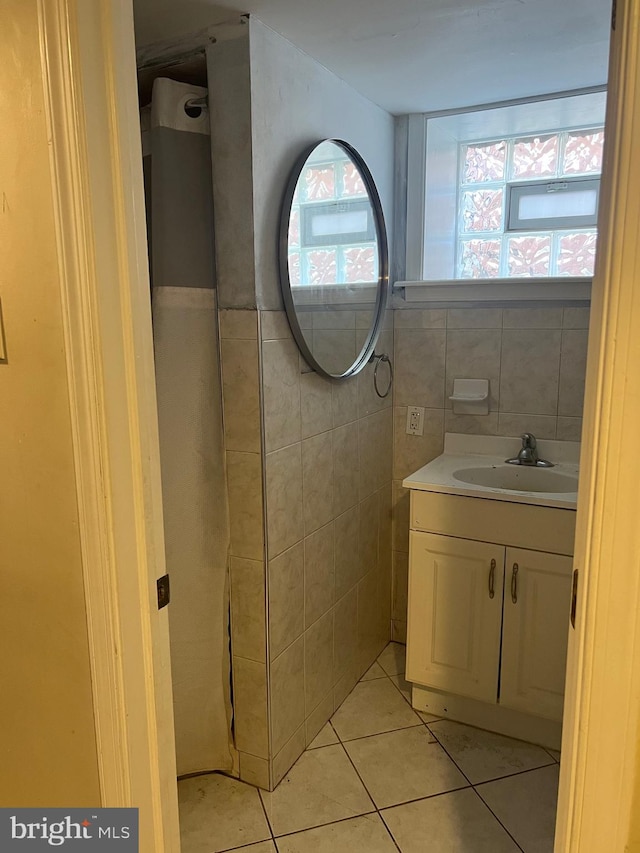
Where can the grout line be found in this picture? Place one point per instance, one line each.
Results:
(499, 388)
(451, 758)
(379, 734)
(314, 749)
(322, 825)
(295, 639)
(375, 805)
(390, 674)
(551, 763)
(423, 722)
(497, 778)
(378, 810)
(557, 760)
(408, 701)
(373, 678)
(488, 731)
(435, 739)
(427, 724)
(490, 810)
(559, 373)
(427, 797)
(384, 823)
(247, 845)
(266, 814)
(445, 383)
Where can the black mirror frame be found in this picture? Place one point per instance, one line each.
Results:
(383, 262)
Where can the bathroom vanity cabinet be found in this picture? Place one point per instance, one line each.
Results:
(488, 618)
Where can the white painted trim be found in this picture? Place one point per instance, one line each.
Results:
(496, 290)
(416, 196)
(88, 59)
(522, 118)
(598, 778)
(78, 297)
(487, 715)
(516, 102)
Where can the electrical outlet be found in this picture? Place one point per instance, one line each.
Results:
(415, 420)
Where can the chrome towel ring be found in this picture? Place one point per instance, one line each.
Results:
(379, 357)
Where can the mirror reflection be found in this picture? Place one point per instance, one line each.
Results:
(334, 286)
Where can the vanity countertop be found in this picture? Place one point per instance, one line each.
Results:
(478, 457)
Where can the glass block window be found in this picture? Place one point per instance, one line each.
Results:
(488, 170)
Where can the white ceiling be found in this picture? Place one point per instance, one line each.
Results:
(422, 55)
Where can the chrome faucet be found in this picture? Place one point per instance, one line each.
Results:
(528, 454)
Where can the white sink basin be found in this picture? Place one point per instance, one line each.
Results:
(474, 466)
(518, 478)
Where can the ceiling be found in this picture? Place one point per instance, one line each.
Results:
(422, 55)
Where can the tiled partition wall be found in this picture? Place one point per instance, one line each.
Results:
(309, 462)
(309, 467)
(244, 464)
(535, 361)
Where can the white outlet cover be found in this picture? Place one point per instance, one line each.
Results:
(415, 420)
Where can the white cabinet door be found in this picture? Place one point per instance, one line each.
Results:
(455, 614)
(537, 601)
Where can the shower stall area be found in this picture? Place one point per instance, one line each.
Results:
(277, 482)
(177, 171)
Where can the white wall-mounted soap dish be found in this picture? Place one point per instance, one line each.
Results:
(470, 397)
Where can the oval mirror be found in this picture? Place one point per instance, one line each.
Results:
(333, 259)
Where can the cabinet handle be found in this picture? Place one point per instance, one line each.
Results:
(492, 578)
(514, 583)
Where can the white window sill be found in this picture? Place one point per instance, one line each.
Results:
(496, 290)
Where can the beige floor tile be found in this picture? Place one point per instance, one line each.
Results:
(371, 708)
(260, 847)
(321, 787)
(374, 671)
(554, 754)
(393, 659)
(456, 823)
(428, 718)
(325, 737)
(483, 756)
(217, 813)
(358, 835)
(403, 686)
(406, 765)
(526, 806)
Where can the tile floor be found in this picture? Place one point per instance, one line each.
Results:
(380, 778)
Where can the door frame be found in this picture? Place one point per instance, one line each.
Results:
(602, 699)
(89, 72)
(89, 66)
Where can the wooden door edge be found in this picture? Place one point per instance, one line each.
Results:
(88, 60)
(602, 701)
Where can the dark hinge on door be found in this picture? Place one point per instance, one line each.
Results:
(164, 591)
(574, 598)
